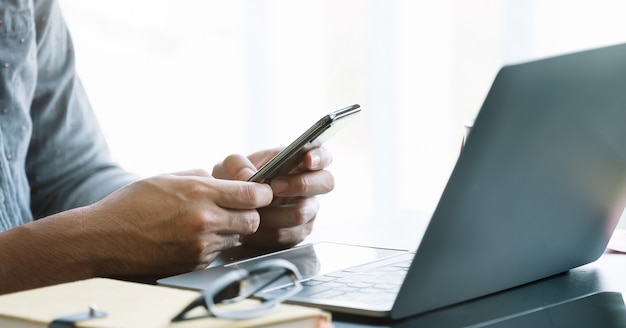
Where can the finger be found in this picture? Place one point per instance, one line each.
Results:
(303, 184)
(185, 256)
(213, 248)
(220, 242)
(241, 195)
(283, 237)
(242, 222)
(260, 158)
(234, 167)
(297, 213)
(317, 159)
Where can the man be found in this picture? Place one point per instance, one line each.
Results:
(67, 212)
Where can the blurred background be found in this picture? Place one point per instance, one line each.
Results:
(182, 84)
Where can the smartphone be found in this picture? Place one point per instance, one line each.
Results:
(289, 158)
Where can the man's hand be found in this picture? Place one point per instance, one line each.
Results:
(290, 217)
(177, 222)
(167, 224)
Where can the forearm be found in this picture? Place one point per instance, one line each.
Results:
(56, 249)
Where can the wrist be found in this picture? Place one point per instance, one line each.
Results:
(68, 240)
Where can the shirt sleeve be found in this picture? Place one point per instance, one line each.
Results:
(68, 163)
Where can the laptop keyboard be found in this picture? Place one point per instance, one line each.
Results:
(374, 284)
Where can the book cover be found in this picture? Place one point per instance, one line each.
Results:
(129, 304)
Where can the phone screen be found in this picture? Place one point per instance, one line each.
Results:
(289, 158)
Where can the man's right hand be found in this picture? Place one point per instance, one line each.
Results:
(172, 223)
(159, 226)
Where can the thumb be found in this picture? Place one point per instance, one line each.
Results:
(234, 167)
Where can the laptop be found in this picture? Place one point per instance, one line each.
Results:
(537, 190)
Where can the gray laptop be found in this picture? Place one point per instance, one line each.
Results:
(537, 190)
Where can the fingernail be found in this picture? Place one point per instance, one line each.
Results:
(315, 161)
(279, 185)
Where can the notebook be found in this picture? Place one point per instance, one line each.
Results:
(537, 190)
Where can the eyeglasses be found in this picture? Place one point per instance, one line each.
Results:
(220, 302)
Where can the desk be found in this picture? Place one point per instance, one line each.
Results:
(401, 230)
(606, 274)
(570, 290)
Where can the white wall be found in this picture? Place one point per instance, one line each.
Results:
(181, 84)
